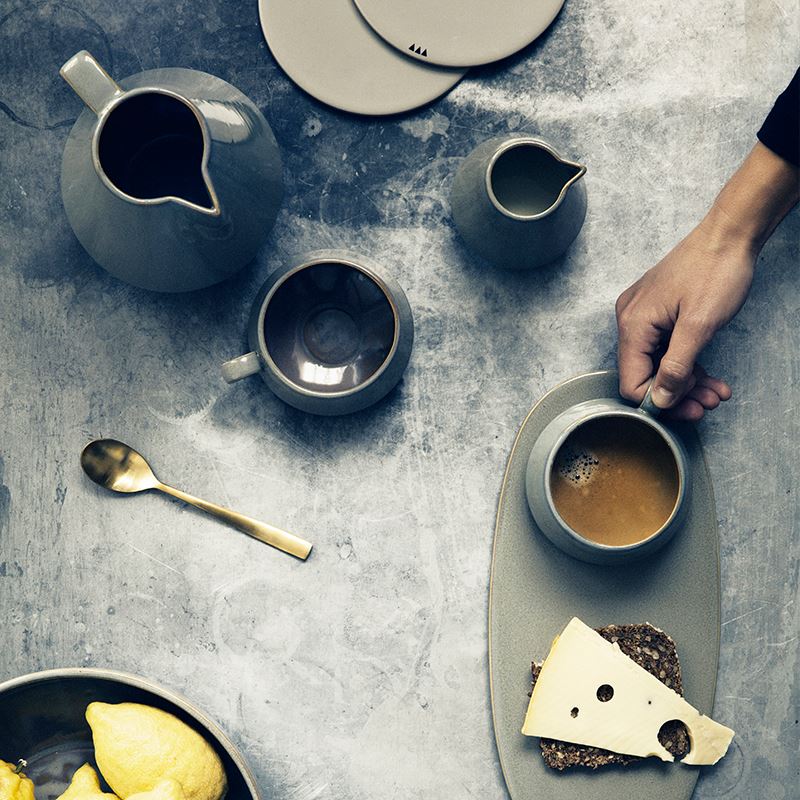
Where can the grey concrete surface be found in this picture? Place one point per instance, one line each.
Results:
(362, 673)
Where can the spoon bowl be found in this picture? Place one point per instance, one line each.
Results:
(116, 466)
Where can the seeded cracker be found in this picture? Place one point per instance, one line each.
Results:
(651, 649)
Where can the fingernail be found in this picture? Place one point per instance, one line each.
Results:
(663, 398)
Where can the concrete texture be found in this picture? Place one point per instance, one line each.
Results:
(362, 673)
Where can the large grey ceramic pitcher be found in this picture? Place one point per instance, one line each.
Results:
(171, 178)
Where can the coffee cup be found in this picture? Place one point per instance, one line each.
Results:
(330, 334)
(608, 483)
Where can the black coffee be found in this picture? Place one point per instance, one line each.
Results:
(152, 146)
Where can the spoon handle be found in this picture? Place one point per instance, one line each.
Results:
(287, 542)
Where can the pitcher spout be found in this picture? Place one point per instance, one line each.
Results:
(576, 172)
(211, 206)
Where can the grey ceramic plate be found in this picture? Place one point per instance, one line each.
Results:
(326, 48)
(459, 33)
(536, 589)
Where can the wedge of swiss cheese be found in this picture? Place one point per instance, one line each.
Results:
(565, 705)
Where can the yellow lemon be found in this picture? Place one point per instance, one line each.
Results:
(136, 746)
(85, 786)
(168, 789)
(13, 783)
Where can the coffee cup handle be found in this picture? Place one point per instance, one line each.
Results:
(90, 81)
(647, 405)
(241, 367)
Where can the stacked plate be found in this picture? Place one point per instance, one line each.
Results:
(389, 56)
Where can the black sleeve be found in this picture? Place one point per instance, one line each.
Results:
(781, 129)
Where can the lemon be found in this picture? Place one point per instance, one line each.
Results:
(168, 789)
(136, 746)
(13, 784)
(85, 786)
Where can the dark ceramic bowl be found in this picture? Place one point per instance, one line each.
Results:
(42, 720)
(331, 334)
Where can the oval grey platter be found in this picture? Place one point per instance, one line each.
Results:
(535, 590)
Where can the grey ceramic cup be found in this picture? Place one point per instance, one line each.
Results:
(171, 178)
(47, 726)
(540, 464)
(517, 203)
(330, 334)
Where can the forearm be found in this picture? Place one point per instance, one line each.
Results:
(756, 198)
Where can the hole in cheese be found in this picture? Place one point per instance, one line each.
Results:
(574, 712)
(674, 736)
(605, 693)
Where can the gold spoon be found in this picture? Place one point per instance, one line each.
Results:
(118, 467)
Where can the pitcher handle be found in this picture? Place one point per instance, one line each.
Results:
(241, 367)
(90, 81)
(647, 405)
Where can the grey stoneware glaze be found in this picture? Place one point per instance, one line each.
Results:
(329, 334)
(536, 589)
(171, 178)
(517, 203)
(42, 720)
(540, 464)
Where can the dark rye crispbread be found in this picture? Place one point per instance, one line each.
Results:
(651, 649)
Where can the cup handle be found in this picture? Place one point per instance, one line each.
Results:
(647, 405)
(90, 81)
(242, 367)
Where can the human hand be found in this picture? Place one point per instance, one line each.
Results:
(676, 308)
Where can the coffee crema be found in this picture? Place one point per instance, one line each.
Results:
(614, 481)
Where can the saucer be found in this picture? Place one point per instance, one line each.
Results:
(459, 33)
(328, 50)
(536, 589)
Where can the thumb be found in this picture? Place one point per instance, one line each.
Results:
(674, 376)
